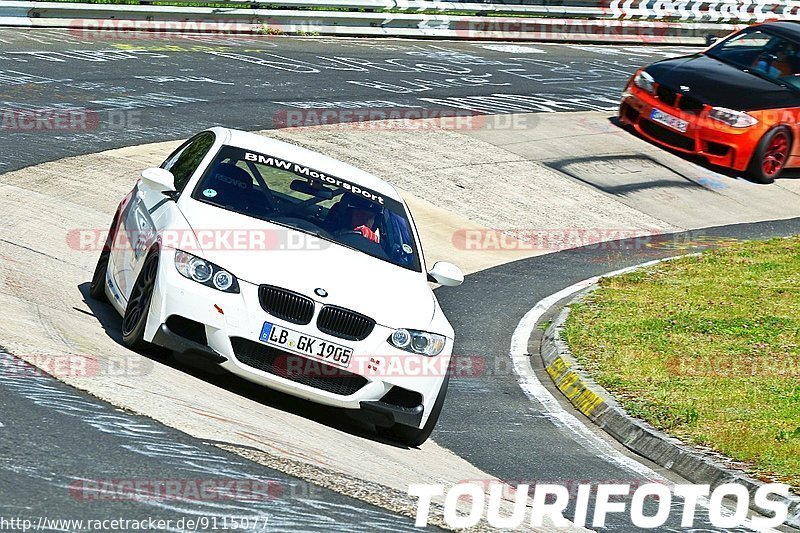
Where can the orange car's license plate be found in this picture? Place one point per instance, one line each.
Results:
(668, 120)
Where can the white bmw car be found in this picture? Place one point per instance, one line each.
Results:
(287, 268)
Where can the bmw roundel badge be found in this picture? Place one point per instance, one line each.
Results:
(322, 293)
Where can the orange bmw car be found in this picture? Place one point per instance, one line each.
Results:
(736, 103)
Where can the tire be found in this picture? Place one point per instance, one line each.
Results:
(97, 289)
(135, 318)
(770, 156)
(414, 437)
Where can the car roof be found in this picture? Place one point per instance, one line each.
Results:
(788, 29)
(297, 154)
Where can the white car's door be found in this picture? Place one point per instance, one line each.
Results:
(140, 234)
(139, 222)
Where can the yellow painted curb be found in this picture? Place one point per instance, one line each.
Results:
(571, 385)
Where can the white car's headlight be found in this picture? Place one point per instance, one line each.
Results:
(645, 82)
(205, 272)
(420, 342)
(737, 119)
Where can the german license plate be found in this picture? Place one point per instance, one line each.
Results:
(300, 343)
(656, 115)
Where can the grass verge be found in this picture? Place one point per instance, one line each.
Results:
(706, 349)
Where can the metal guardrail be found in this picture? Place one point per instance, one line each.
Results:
(680, 10)
(617, 21)
(590, 9)
(475, 8)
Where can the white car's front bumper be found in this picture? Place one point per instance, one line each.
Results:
(230, 320)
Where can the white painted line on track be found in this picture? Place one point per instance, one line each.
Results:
(513, 49)
(534, 389)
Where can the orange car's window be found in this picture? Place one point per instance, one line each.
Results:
(754, 39)
(761, 53)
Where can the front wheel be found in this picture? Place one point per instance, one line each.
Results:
(770, 155)
(135, 319)
(412, 436)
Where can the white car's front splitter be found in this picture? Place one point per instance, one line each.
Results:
(227, 319)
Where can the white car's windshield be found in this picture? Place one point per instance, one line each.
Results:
(299, 197)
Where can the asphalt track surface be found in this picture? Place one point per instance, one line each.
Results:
(509, 421)
(146, 90)
(65, 455)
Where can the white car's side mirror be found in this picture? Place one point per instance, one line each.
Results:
(446, 273)
(159, 179)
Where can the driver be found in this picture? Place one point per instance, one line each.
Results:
(781, 63)
(360, 215)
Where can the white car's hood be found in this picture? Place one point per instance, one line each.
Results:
(391, 295)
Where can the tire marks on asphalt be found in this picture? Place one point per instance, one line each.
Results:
(82, 445)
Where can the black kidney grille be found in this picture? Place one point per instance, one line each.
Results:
(666, 95)
(288, 305)
(344, 323)
(692, 105)
(297, 368)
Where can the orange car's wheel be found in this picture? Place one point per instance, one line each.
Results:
(771, 155)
